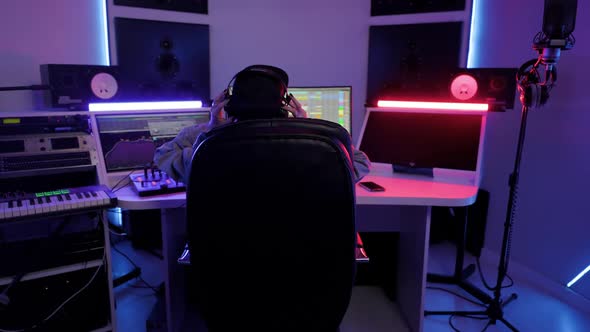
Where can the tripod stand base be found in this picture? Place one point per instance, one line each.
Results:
(494, 312)
(454, 279)
(461, 281)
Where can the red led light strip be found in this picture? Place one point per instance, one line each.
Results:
(433, 105)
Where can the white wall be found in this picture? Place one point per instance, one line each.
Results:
(316, 42)
(35, 32)
(553, 225)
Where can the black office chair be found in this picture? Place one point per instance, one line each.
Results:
(271, 226)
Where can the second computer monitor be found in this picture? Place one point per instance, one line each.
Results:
(128, 140)
(332, 103)
(423, 139)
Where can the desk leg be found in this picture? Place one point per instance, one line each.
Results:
(461, 274)
(413, 224)
(413, 263)
(173, 240)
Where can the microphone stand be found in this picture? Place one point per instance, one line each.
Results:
(558, 25)
(495, 306)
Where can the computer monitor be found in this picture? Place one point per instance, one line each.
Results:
(332, 103)
(423, 140)
(128, 141)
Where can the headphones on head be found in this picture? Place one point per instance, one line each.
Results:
(276, 74)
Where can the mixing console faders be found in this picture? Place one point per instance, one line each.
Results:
(155, 182)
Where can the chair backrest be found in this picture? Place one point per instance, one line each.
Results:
(271, 225)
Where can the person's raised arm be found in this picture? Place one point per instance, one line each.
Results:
(294, 107)
(174, 157)
(218, 115)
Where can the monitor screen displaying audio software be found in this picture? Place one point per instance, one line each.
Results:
(327, 103)
(128, 141)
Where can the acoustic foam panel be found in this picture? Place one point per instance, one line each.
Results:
(163, 60)
(412, 61)
(191, 6)
(392, 7)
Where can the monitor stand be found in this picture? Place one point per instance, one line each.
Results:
(413, 170)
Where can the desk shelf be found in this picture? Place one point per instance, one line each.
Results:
(54, 271)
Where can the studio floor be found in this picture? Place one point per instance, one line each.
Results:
(370, 310)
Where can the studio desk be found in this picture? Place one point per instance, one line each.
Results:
(404, 207)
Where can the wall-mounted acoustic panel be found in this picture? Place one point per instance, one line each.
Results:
(191, 6)
(163, 60)
(412, 61)
(395, 7)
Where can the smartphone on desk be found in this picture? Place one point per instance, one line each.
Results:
(371, 186)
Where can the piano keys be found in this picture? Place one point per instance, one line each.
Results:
(19, 205)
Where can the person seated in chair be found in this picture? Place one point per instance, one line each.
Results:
(258, 92)
(258, 96)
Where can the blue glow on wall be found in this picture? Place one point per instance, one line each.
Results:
(579, 276)
(105, 32)
(115, 216)
(474, 31)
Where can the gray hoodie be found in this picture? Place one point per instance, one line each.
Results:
(174, 157)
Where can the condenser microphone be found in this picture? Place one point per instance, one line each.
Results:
(559, 21)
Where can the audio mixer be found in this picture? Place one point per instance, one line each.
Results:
(155, 182)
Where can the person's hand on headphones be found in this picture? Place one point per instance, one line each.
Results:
(294, 107)
(218, 115)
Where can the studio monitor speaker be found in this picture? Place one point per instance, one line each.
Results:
(496, 86)
(74, 86)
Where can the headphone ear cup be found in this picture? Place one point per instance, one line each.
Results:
(535, 95)
(285, 100)
(227, 96)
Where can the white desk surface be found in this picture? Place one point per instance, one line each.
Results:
(400, 189)
(408, 195)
